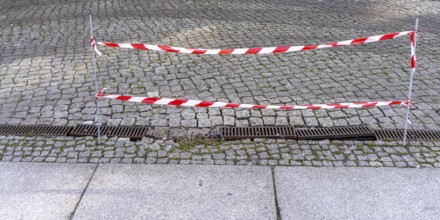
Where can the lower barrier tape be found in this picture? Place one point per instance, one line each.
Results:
(208, 104)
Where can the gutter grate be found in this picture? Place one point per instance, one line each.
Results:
(229, 133)
(393, 134)
(236, 133)
(354, 132)
(134, 133)
(42, 130)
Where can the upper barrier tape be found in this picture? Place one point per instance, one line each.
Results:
(207, 104)
(256, 50)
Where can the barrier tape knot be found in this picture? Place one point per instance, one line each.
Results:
(99, 94)
(408, 103)
(93, 43)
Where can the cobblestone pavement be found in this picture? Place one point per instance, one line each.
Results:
(205, 151)
(46, 72)
(46, 76)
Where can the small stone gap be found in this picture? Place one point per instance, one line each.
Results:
(277, 207)
(83, 192)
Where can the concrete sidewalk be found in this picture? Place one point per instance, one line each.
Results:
(123, 191)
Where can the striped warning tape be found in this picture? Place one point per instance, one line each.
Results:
(93, 43)
(256, 50)
(198, 103)
(413, 54)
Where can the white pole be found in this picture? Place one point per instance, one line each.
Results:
(410, 85)
(96, 84)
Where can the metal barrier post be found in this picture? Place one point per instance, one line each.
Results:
(413, 70)
(96, 83)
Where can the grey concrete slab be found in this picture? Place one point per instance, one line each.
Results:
(41, 190)
(358, 193)
(178, 192)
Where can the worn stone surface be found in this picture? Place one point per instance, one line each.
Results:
(357, 193)
(41, 190)
(195, 192)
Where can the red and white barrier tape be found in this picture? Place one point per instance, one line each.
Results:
(198, 103)
(93, 43)
(256, 50)
(413, 54)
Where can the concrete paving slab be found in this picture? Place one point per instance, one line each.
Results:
(178, 192)
(41, 190)
(358, 193)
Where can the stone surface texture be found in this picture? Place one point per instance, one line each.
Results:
(357, 193)
(418, 154)
(179, 192)
(41, 190)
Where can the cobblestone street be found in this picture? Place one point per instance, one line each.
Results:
(424, 154)
(46, 77)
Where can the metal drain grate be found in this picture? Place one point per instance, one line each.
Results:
(134, 133)
(35, 130)
(235, 133)
(393, 134)
(355, 132)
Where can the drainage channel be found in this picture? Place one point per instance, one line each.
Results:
(332, 133)
(134, 133)
(412, 134)
(236, 133)
(42, 130)
(354, 132)
(229, 133)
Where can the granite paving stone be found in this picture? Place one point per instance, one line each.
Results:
(124, 191)
(342, 193)
(41, 190)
